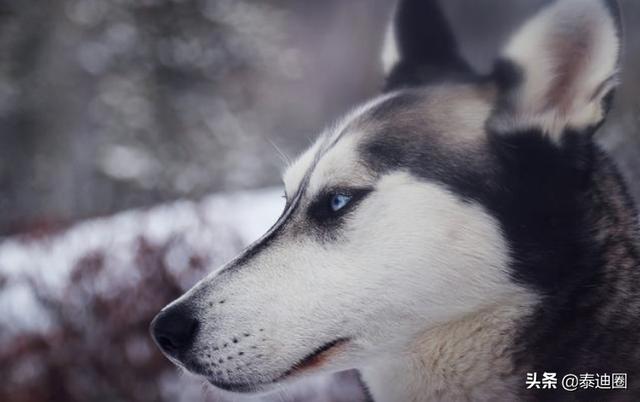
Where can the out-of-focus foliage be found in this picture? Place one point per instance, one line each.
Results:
(99, 349)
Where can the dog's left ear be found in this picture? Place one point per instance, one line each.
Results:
(559, 71)
(423, 46)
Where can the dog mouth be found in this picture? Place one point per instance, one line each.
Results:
(313, 360)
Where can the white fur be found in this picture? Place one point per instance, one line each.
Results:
(585, 33)
(413, 258)
(296, 172)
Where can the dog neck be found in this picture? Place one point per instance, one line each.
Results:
(599, 303)
(469, 359)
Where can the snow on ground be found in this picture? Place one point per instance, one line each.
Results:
(217, 225)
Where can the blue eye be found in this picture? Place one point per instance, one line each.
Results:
(339, 201)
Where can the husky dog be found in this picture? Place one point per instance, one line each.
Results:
(445, 238)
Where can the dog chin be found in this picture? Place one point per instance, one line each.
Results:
(312, 362)
(260, 386)
(257, 388)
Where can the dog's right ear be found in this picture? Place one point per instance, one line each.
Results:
(422, 46)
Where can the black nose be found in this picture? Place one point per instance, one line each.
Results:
(174, 329)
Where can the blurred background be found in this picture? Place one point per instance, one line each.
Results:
(141, 144)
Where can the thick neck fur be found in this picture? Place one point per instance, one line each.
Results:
(591, 324)
(576, 242)
(466, 360)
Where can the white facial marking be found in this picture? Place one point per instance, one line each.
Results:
(339, 166)
(294, 175)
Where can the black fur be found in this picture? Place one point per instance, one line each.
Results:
(426, 45)
(588, 322)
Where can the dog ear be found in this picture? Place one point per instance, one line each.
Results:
(420, 45)
(558, 71)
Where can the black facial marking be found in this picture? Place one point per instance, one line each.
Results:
(607, 101)
(414, 149)
(272, 234)
(327, 219)
(540, 210)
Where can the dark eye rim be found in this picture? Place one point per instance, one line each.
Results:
(320, 209)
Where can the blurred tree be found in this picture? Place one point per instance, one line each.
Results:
(112, 104)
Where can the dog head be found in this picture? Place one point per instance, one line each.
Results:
(421, 206)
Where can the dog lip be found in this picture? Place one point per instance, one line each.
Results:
(312, 359)
(316, 357)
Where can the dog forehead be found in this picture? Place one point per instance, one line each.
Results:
(340, 166)
(449, 113)
(447, 117)
(304, 165)
(296, 171)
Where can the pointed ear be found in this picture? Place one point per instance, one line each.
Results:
(420, 46)
(558, 72)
